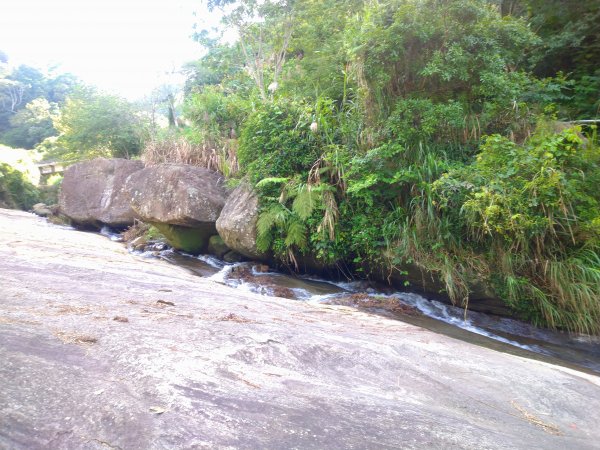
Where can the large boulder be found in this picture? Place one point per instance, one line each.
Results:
(182, 201)
(92, 192)
(237, 223)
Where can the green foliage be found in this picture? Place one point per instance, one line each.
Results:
(29, 99)
(420, 120)
(98, 125)
(536, 208)
(15, 190)
(22, 160)
(458, 50)
(522, 193)
(32, 124)
(586, 98)
(276, 142)
(216, 116)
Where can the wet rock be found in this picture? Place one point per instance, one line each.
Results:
(237, 222)
(193, 240)
(233, 257)
(137, 230)
(59, 219)
(261, 268)
(92, 193)
(138, 244)
(412, 278)
(264, 284)
(41, 209)
(369, 303)
(217, 247)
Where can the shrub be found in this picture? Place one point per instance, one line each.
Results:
(15, 190)
(276, 141)
(533, 211)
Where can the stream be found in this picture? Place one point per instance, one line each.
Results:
(580, 352)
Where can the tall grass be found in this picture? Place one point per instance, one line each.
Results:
(180, 151)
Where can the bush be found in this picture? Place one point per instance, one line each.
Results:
(276, 141)
(15, 190)
(533, 211)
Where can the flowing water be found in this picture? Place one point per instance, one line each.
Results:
(503, 334)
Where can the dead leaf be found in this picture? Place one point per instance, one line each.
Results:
(165, 302)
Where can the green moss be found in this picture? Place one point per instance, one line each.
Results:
(153, 234)
(186, 239)
(217, 247)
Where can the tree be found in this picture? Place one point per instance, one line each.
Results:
(32, 124)
(93, 125)
(18, 89)
(264, 31)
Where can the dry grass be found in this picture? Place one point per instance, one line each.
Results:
(138, 229)
(547, 427)
(75, 338)
(231, 317)
(221, 158)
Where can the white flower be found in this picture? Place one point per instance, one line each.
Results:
(314, 127)
(273, 87)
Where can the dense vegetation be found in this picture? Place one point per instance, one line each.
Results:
(384, 136)
(15, 190)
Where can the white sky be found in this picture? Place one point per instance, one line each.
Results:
(121, 46)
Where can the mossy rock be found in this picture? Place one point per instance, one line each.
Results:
(217, 247)
(233, 257)
(187, 239)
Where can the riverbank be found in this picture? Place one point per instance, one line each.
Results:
(100, 347)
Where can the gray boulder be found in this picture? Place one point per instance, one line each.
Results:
(182, 201)
(92, 192)
(177, 194)
(237, 223)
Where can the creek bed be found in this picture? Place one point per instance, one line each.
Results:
(503, 334)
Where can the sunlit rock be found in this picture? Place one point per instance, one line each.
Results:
(92, 192)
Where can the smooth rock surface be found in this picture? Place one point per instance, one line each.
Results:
(177, 194)
(92, 192)
(237, 223)
(203, 366)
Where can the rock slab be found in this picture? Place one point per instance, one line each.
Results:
(108, 350)
(92, 192)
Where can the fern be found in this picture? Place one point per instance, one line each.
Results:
(271, 180)
(296, 234)
(305, 201)
(263, 242)
(274, 216)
